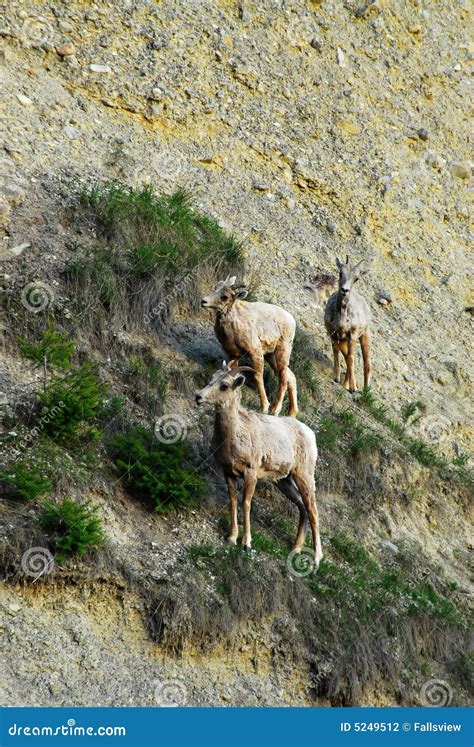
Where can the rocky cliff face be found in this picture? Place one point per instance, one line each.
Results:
(308, 130)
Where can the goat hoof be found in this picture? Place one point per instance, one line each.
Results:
(246, 548)
(232, 540)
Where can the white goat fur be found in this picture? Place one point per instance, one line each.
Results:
(254, 446)
(262, 331)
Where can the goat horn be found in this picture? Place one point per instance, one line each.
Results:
(244, 368)
(347, 259)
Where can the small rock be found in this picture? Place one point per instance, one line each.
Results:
(7, 167)
(71, 132)
(20, 248)
(13, 193)
(349, 127)
(14, 608)
(4, 211)
(260, 186)
(390, 547)
(316, 45)
(460, 169)
(414, 29)
(362, 10)
(423, 133)
(24, 100)
(100, 69)
(63, 50)
(384, 297)
(341, 57)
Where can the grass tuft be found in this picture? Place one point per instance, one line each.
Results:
(152, 251)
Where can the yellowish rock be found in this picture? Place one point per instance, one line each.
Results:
(351, 128)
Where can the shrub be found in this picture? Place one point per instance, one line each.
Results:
(26, 482)
(74, 528)
(160, 473)
(56, 347)
(71, 405)
(151, 250)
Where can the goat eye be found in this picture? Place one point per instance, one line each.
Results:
(224, 387)
(225, 297)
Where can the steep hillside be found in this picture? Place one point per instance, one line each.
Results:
(275, 135)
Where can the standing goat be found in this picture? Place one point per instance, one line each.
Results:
(347, 318)
(251, 446)
(261, 330)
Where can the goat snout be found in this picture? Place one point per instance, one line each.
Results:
(345, 290)
(203, 301)
(199, 398)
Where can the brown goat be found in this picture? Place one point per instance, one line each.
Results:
(261, 330)
(347, 318)
(251, 446)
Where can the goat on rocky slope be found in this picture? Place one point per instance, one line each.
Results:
(347, 318)
(254, 446)
(261, 330)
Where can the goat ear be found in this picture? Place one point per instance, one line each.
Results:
(238, 381)
(241, 294)
(365, 271)
(231, 280)
(224, 365)
(338, 262)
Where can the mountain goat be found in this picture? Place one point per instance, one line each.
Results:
(347, 318)
(254, 446)
(261, 330)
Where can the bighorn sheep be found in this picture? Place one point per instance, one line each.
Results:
(347, 318)
(261, 330)
(251, 446)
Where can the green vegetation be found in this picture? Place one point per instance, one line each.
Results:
(74, 528)
(71, 405)
(302, 364)
(25, 481)
(362, 616)
(159, 473)
(57, 348)
(415, 446)
(150, 383)
(151, 250)
(412, 412)
(367, 592)
(341, 430)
